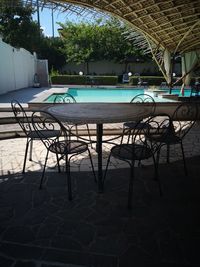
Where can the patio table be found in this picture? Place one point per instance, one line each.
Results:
(98, 113)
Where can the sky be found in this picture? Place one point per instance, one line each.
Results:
(46, 20)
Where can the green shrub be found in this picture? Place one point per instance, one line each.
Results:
(152, 80)
(90, 80)
(53, 72)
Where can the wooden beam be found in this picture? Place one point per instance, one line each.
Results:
(186, 34)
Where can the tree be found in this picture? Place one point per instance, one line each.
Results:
(17, 27)
(85, 42)
(19, 30)
(51, 49)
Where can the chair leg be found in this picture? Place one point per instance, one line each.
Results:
(31, 149)
(156, 176)
(42, 178)
(105, 173)
(89, 135)
(123, 132)
(58, 159)
(76, 129)
(25, 156)
(129, 135)
(92, 165)
(168, 151)
(69, 184)
(184, 162)
(130, 190)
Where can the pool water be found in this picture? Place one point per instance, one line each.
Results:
(104, 95)
(111, 95)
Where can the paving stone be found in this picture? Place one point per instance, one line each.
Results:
(25, 264)
(19, 234)
(6, 262)
(98, 230)
(59, 265)
(19, 251)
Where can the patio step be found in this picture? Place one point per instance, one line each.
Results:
(10, 129)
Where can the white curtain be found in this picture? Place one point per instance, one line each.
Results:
(188, 62)
(167, 65)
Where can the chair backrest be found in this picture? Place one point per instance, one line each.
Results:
(184, 117)
(21, 117)
(64, 98)
(48, 128)
(145, 98)
(151, 133)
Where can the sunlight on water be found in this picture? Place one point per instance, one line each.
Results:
(110, 95)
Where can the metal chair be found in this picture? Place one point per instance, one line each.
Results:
(25, 124)
(68, 98)
(61, 144)
(142, 147)
(129, 126)
(183, 120)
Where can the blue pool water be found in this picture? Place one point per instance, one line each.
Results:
(104, 95)
(113, 95)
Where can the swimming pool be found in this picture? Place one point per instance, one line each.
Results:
(112, 95)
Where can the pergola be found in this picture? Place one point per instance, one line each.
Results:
(169, 27)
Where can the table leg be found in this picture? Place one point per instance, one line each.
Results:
(99, 151)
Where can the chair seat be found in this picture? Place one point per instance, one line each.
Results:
(131, 152)
(68, 147)
(133, 125)
(46, 133)
(167, 139)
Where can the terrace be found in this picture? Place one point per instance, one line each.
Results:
(42, 228)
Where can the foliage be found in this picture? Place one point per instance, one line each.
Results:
(79, 43)
(86, 42)
(54, 72)
(78, 79)
(51, 49)
(151, 80)
(17, 27)
(19, 30)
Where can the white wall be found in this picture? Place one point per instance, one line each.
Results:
(17, 68)
(42, 72)
(109, 67)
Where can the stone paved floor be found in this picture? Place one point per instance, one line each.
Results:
(41, 228)
(12, 156)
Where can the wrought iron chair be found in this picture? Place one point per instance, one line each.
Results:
(68, 98)
(182, 121)
(129, 126)
(61, 144)
(142, 147)
(25, 123)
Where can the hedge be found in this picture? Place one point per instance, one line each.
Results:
(152, 80)
(84, 79)
(155, 80)
(108, 80)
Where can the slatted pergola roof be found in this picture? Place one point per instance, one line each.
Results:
(167, 26)
(170, 24)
